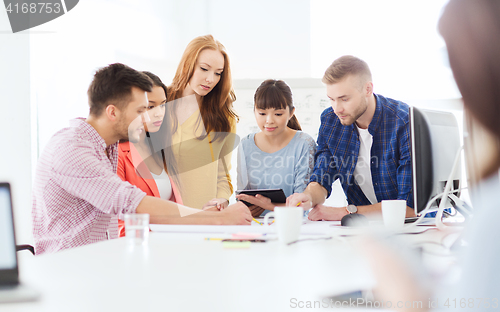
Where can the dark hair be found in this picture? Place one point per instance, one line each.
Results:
(156, 81)
(112, 85)
(471, 31)
(163, 137)
(276, 94)
(344, 66)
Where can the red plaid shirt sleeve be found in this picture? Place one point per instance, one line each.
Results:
(85, 176)
(77, 196)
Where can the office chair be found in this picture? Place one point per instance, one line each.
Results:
(24, 247)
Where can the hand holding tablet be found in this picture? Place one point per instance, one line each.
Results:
(267, 196)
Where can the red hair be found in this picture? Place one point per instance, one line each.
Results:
(217, 106)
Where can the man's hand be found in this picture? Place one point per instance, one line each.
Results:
(219, 203)
(322, 212)
(257, 200)
(236, 214)
(303, 199)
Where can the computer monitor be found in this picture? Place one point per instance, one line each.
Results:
(435, 141)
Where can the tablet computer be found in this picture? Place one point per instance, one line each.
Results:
(276, 195)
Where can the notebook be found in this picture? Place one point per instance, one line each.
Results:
(10, 288)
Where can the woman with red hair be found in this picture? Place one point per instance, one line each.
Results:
(203, 123)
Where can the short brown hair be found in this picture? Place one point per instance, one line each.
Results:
(344, 66)
(113, 85)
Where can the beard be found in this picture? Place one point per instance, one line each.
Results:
(127, 131)
(360, 110)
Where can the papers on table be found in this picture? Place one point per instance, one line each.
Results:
(224, 229)
(308, 228)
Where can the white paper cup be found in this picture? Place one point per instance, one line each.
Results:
(137, 228)
(393, 213)
(288, 222)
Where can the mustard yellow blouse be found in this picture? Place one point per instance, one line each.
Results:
(203, 167)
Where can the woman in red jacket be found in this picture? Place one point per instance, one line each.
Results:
(148, 163)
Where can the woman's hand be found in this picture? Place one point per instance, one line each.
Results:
(256, 211)
(236, 214)
(218, 203)
(258, 203)
(257, 200)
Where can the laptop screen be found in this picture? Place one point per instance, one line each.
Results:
(7, 242)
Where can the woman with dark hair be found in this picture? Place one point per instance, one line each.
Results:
(203, 123)
(146, 164)
(471, 30)
(280, 155)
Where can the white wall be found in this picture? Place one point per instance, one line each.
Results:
(264, 39)
(15, 123)
(398, 39)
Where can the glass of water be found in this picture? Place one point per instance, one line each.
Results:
(137, 228)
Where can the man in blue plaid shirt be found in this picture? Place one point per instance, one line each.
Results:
(364, 141)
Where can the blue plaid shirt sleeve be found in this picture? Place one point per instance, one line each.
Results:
(325, 168)
(404, 175)
(338, 147)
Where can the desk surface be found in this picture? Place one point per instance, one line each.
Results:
(184, 272)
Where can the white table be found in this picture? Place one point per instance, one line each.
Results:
(184, 272)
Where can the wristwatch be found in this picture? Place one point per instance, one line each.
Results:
(352, 209)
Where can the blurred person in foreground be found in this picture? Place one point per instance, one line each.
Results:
(471, 30)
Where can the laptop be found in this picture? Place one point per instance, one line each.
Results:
(10, 288)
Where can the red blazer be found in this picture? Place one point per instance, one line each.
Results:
(131, 168)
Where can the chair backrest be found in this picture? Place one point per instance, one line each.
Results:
(26, 247)
(9, 274)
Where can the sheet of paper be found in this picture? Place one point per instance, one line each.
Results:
(308, 227)
(224, 229)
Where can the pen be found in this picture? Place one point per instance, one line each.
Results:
(214, 238)
(257, 221)
(245, 240)
(271, 222)
(298, 204)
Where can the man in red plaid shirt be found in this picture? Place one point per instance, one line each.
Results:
(77, 196)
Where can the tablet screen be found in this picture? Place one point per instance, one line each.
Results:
(276, 195)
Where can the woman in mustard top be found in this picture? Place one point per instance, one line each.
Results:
(203, 124)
